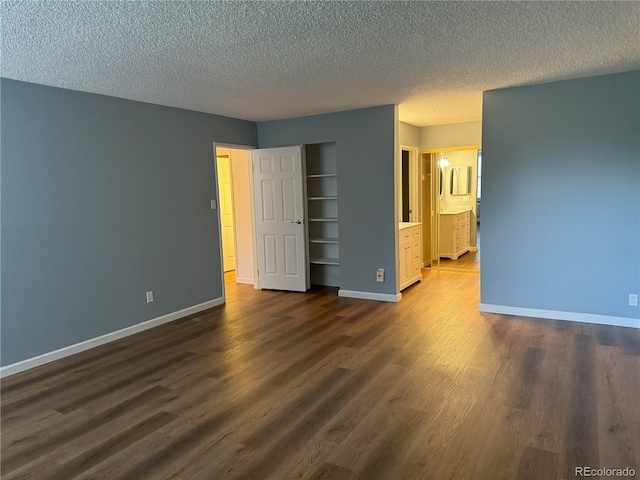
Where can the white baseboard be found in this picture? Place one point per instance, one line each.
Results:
(473, 249)
(383, 297)
(558, 315)
(248, 281)
(102, 339)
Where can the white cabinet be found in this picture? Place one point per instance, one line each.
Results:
(410, 248)
(454, 234)
(322, 210)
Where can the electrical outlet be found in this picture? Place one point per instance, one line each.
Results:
(149, 297)
(213, 204)
(633, 299)
(380, 275)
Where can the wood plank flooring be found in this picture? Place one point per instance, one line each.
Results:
(468, 261)
(278, 385)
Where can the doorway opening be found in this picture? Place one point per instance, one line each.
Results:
(225, 193)
(408, 199)
(452, 193)
(262, 216)
(234, 182)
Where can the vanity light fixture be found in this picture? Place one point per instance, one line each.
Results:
(443, 161)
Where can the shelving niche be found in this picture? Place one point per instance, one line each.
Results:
(322, 208)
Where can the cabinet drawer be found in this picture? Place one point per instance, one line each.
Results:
(416, 233)
(405, 236)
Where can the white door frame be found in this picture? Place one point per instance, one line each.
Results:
(414, 195)
(217, 199)
(414, 184)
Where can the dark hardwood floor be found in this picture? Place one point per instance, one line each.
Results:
(279, 385)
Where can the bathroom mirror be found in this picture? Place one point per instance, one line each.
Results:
(460, 181)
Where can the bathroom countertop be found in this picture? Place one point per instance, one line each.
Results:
(454, 212)
(402, 225)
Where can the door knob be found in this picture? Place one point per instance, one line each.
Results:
(296, 221)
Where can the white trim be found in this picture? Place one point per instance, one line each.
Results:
(106, 338)
(473, 249)
(252, 199)
(219, 218)
(248, 281)
(558, 315)
(383, 297)
(414, 183)
(397, 188)
(235, 146)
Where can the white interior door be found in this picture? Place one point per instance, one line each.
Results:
(226, 214)
(278, 180)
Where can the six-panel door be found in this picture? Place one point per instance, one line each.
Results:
(280, 220)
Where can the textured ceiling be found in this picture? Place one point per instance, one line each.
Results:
(270, 60)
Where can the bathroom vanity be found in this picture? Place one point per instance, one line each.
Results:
(454, 233)
(410, 249)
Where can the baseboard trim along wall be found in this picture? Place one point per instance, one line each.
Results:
(106, 338)
(382, 297)
(558, 315)
(248, 281)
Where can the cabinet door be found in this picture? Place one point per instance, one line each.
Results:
(405, 263)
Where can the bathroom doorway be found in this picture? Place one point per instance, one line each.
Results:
(453, 225)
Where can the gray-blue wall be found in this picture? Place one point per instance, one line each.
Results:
(102, 200)
(561, 196)
(365, 157)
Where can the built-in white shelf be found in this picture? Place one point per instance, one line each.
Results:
(324, 219)
(323, 240)
(322, 198)
(324, 261)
